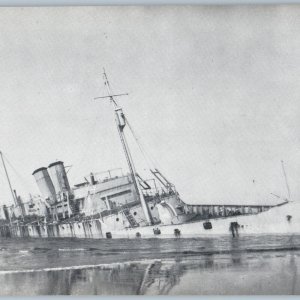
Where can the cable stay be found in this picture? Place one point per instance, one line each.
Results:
(148, 159)
(150, 162)
(22, 179)
(278, 197)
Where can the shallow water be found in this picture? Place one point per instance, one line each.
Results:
(223, 265)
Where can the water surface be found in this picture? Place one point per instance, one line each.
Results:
(220, 265)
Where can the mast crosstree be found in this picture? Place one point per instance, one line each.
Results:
(121, 123)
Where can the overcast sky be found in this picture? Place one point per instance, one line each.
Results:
(213, 95)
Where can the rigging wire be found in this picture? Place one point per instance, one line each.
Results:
(89, 143)
(20, 177)
(149, 160)
(87, 148)
(151, 163)
(93, 131)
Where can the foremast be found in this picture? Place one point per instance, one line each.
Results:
(8, 180)
(121, 123)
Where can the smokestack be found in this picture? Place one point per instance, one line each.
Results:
(45, 184)
(59, 177)
(6, 214)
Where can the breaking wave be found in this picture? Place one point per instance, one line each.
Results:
(71, 249)
(103, 266)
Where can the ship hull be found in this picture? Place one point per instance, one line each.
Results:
(282, 219)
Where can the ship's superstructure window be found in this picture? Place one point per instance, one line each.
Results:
(119, 194)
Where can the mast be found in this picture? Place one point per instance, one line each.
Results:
(286, 181)
(8, 180)
(121, 123)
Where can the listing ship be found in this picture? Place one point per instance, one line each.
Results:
(123, 205)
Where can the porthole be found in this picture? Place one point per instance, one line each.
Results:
(156, 231)
(135, 213)
(207, 225)
(117, 219)
(177, 232)
(151, 207)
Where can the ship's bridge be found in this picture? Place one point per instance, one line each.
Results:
(104, 191)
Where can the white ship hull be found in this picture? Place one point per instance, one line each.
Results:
(284, 219)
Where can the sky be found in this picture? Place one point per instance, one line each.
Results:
(213, 95)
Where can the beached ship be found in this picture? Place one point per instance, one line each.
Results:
(118, 205)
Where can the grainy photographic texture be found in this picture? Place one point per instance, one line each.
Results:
(150, 150)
